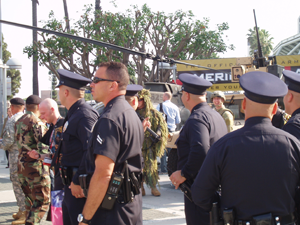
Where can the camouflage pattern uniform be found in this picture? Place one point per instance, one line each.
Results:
(33, 175)
(228, 116)
(10, 144)
(151, 150)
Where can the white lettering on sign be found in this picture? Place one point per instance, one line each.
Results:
(215, 77)
(219, 76)
(209, 77)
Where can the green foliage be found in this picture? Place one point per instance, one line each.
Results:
(178, 35)
(54, 64)
(88, 96)
(266, 41)
(14, 74)
(53, 85)
(6, 55)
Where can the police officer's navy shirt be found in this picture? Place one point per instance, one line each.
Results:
(257, 167)
(293, 124)
(118, 135)
(204, 127)
(80, 120)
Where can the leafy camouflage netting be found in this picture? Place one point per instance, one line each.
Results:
(150, 149)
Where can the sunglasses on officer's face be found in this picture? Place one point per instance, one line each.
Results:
(98, 79)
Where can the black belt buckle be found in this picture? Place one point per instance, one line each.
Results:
(67, 173)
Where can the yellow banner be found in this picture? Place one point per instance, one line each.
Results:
(225, 87)
(217, 64)
(288, 60)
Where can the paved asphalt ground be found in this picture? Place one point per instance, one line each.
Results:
(168, 209)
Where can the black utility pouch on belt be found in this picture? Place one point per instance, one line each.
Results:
(214, 215)
(84, 183)
(67, 173)
(135, 184)
(265, 219)
(228, 216)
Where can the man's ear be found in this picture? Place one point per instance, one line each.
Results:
(188, 96)
(275, 107)
(134, 101)
(290, 96)
(66, 92)
(244, 104)
(114, 85)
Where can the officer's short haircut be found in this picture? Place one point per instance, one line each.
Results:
(31, 107)
(117, 71)
(18, 106)
(130, 98)
(76, 93)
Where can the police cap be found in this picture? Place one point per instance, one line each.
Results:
(17, 101)
(262, 87)
(72, 80)
(133, 89)
(292, 80)
(33, 99)
(194, 84)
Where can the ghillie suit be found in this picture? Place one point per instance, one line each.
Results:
(152, 149)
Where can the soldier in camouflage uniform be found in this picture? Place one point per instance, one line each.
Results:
(33, 175)
(218, 99)
(9, 142)
(152, 149)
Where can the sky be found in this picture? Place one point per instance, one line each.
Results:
(279, 18)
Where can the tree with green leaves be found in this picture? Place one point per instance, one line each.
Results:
(178, 35)
(266, 41)
(53, 85)
(53, 78)
(14, 74)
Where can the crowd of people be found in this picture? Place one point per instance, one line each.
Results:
(100, 159)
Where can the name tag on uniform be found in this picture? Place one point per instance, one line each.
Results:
(65, 126)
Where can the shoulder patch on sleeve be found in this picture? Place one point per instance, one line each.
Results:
(99, 139)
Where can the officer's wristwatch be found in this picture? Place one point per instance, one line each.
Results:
(80, 219)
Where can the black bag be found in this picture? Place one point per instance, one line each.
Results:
(162, 111)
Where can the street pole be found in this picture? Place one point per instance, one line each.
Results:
(2, 112)
(4, 92)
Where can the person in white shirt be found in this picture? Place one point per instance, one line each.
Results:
(171, 112)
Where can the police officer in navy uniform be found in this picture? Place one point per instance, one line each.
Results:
(131, 95)
(292, 102)
(204, 127)
(257, 166)
(76, 130)
(117, 137)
